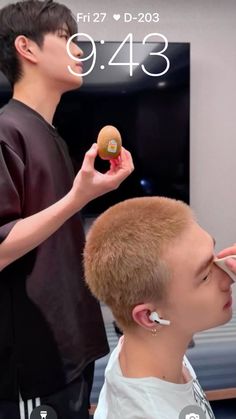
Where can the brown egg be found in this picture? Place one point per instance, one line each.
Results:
(109, 143)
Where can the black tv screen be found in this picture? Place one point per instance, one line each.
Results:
(150, 111)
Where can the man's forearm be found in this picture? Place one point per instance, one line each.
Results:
(29, 232)
(88, 184)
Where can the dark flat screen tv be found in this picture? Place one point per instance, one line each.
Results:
(151, 112)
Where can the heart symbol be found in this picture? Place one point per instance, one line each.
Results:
(116, 17)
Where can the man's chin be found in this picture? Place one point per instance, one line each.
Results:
(73, 85)
(227, 317)
(78, 81)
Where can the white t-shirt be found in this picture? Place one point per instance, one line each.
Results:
(146, 398)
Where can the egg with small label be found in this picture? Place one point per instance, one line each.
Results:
(109, 143)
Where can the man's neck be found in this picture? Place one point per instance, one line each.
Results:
(158, 356)
(38, 98)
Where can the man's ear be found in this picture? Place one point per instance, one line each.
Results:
(141, 314)
(26, 48)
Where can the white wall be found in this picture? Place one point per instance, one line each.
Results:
(210, 27)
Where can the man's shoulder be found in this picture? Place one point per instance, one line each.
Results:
(9, 120)
(4, 115)
(14, 127)
(10, 134)
(13, 112)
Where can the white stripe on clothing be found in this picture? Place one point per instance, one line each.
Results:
(29, 405)
(37, 402)
(21, 407)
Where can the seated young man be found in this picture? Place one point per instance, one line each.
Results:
(149, 261)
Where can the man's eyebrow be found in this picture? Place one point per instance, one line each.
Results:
(206, 263)
(64, 30)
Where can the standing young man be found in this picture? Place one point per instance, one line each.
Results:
(51, 328)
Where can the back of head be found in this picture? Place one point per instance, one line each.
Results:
(33, 19)
(124, 252)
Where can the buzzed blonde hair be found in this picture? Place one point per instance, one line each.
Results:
(124, 252)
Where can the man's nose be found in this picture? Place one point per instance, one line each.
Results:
(225, 282)
(76, 50)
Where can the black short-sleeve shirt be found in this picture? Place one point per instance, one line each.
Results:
(50, 325)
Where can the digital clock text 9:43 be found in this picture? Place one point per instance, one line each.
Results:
(113, 60)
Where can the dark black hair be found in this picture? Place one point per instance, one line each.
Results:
(34, 19)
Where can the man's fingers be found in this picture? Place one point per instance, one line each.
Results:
(123, 162)
(89, 158)
(127, 158)
(231, 263)
(228, 251)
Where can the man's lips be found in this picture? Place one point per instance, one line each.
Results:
(79, 65)
(229, 303)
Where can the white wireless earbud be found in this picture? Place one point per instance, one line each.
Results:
(155, 318)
